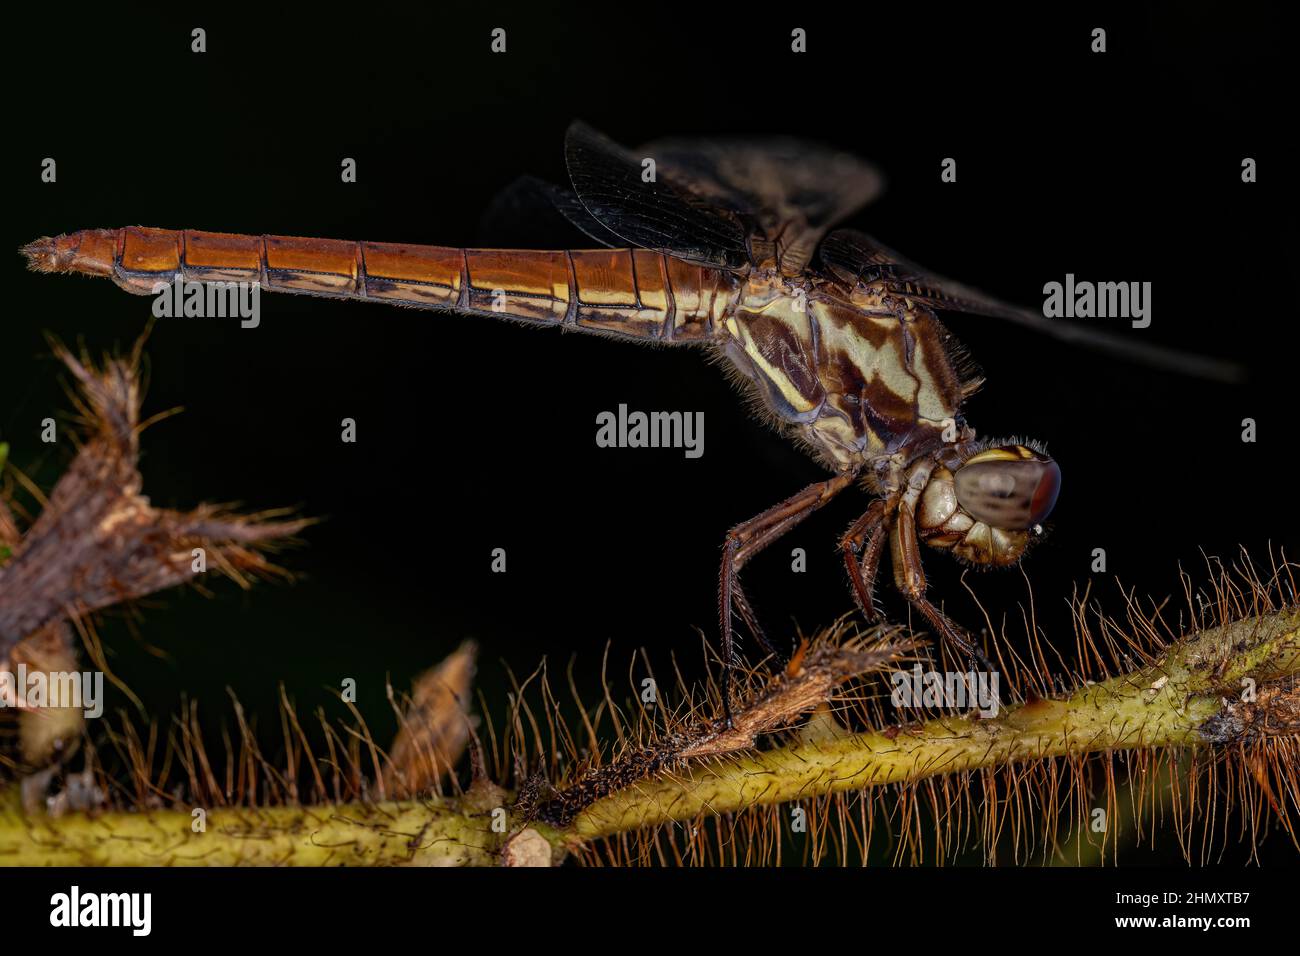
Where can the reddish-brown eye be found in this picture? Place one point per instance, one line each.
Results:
(1010, 487)
(1049, 486)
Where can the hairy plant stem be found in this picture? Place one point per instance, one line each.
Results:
(1192, 697)
(433, 832)
(1176, 703)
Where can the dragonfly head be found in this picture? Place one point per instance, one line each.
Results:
(990, 507)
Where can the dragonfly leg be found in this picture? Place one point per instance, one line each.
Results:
(909, 575)
(746, 612)
(743, 542)
(871, 528)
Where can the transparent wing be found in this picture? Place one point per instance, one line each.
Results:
(788, 191)
(725, 204)
(659, 214)
(857, 259)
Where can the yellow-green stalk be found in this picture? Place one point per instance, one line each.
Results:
(1220, 687)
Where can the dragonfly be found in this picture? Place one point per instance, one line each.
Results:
(731, 247)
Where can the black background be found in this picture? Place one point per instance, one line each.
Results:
(1124, 166)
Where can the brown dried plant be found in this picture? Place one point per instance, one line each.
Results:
(98, 542)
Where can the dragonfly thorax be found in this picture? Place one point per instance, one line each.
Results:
(855, 385)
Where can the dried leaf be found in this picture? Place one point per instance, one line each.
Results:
(98, 541)
(435, 727)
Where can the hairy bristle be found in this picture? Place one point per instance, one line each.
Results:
(564, 757)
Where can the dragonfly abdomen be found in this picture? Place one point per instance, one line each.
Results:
(632, 293)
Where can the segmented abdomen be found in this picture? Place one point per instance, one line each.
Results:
(629, 292)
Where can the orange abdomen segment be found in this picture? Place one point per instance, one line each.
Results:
(628, 292)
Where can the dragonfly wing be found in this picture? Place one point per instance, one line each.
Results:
(859, 260)
(532, 213)
(764, 203)
(788, 190)
(660, 214)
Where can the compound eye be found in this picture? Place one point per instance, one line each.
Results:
(1045, 492)
(1012, 488)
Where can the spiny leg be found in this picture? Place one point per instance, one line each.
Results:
(739, 599)
(875, 550)
(743, 542)
(909, 575)
(872, 528)
(746, 612)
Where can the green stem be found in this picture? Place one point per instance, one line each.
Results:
(425, 833)
(1191, 698)
(1167, 705)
